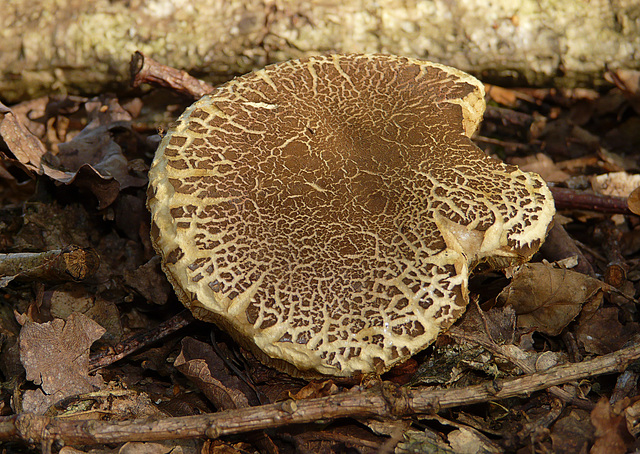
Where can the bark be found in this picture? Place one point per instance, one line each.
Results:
(83, 46)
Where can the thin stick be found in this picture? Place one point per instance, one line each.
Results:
(139, 341)
(145, 70)
(72, 263)
(381, 402)
(569, 199)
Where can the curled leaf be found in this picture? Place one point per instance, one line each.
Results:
(546, 298)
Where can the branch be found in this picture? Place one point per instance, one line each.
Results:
(139, 341)
(569, 199)
(385, 401)
(145, 70)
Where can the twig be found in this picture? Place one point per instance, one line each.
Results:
(139, 341)
(380, 402)
(72, 263)
(508, 354)
(502, 143)
(569, 199)
(617, 268)
(508, 117)
(145, 70)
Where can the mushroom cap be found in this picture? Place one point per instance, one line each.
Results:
(327, 211)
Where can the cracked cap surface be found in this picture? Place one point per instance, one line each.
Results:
(327, 211)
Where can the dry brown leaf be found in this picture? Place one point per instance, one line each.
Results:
(200, 363)
(612, 436)
(632, 415)
(497, 324)
(546, 298)
(9, 331)
(66, 299)
(470, 441)
(71, 450)
(628, 81)
(422, 442)
(150, 448)
(602, 332)
(572, 433)
(634, 201)
(92, 159)
(26, 147)
(495, 331)
(95, 147)
(563, 139)
(55, 356)
(542, 165)
(131, 215)
(505, 96)
(149, 281)
(316, 389)
(224, 447)
(166, 447)
(615, 162)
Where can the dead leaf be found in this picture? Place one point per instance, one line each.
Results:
(95, 146)
(149, 281)
(466, 440)
(224, 447)
(546, 298)
(493, 330)
(602, 332)
(48, 226)
(66, 299)
(612, 436)
(402, 373)
(32, 114)
(130, 216)
(26, 147)
(421, 442)
(628, 81)
(105, 189)
(448, 362)
(316, 389)
(623, 139)
(55, 356)
(632, 416)
(634, 201)
(496, 325)
(9, 332)
(572, 433)
(95, 156)
(615, 162)
(199, 362)
(542, 165)
(167, 447)
(582, 111)
(150, 448)
(93, 159)
(505, 96)
(563, 139)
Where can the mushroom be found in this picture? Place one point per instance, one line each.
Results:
(326, 212)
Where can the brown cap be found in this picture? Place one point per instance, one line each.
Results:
(327, 211)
